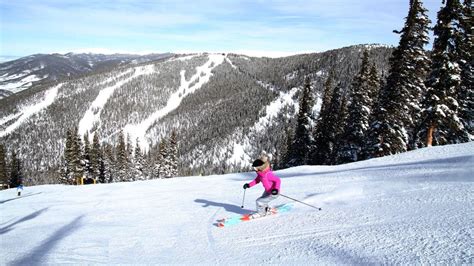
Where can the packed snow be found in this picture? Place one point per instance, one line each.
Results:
(28, 111)
(412, 208)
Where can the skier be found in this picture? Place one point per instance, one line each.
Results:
(270, 182)
(19, 189)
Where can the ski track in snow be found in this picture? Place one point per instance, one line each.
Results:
(28, 111)
(412, 208)
(92, 115)
(202, 76)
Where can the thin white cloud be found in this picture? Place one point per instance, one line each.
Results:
(170, 25)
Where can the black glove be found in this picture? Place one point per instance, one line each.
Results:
(246, 186)
(275, 191)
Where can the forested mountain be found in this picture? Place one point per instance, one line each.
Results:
(225, 109)
(25, 72)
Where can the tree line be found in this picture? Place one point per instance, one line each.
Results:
(11, 173)
(104, 162)
(426, 99)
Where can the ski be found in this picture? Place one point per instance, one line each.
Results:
(233, 220)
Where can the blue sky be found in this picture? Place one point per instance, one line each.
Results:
(257, 27)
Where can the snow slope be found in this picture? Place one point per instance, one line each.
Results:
(202, 76)
(92, 115)
(413, 208)
(28, 111)
(16, 83)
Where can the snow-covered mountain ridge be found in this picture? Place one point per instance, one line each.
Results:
(226, 108)
(412, 208)
(26, 72)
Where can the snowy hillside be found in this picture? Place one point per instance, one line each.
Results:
(226, 108)
(414, 208)
(23, 73)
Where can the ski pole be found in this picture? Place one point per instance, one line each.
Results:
(243, 200)
(300, 202)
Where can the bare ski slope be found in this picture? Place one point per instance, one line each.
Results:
(413, 208)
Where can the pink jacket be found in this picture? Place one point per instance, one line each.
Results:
(269, 180)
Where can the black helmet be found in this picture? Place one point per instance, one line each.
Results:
(257, 163)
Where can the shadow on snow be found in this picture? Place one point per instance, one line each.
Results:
(227, 207)
(36, 256)
(21, 197)
(10, 227)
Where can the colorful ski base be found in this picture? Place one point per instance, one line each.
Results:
(247, 217)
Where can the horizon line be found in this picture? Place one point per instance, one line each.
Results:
(250, 53)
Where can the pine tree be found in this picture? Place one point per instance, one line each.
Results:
(109, 164)
(284, 155)
(96, 159)
(3, 167)
(360, 108)
(374, 83)
(16, 174)
(88, 168)
(102, 178)
(150, 159)
(78, 163)
(173, 154)
(441, 123)
(162, 162)
(394, 119)
(418, 70)
(130, 148)
(466, 93)
(329, 127)
(122, 159)
(139, 163)
(303, 140)
(130, 160)
(327, 95)
(74, 162)
(66, 173)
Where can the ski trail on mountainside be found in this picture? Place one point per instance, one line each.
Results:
(240, 154)
(92, 115)
(202, 76)
(30, 110)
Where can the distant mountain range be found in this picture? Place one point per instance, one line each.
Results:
(226, 108)
(25, 72)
